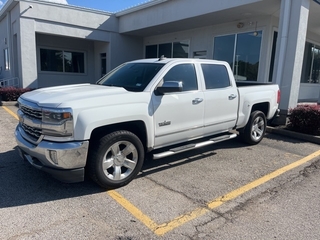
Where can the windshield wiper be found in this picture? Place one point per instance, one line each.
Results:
(112, 85)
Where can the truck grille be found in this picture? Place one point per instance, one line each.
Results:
(31, 112)
(33, 132)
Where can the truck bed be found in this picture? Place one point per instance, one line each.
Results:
(250, 84)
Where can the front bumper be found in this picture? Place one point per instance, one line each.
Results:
(64, 161)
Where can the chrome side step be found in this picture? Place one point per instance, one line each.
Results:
(193, 146)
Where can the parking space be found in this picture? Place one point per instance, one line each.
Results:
(171, 197)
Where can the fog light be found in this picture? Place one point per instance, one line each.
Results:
(54, 156)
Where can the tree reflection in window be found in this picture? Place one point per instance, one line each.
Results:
(311, 64)
(242, 52)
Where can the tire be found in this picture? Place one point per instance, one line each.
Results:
(255, 129)
(115, 159)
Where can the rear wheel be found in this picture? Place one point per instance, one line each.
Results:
(115, 159)
(255, 129)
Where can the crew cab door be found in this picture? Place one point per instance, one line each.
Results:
(221, 99)
(178, 116)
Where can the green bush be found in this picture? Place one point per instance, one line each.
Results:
(12, 93)
(305, 119)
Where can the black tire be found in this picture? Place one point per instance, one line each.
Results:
(255, 129)
(115, 159)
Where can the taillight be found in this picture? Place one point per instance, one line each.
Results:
(278, 97)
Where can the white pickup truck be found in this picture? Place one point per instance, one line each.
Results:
(157, 106)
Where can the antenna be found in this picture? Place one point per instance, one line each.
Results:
(162, 58)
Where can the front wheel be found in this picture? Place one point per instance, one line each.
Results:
(115, 159)
(255, 129)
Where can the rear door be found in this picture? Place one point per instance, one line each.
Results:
(178, 116)
(221, 99)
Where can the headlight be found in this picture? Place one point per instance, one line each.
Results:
(56, 116)
(57, 122)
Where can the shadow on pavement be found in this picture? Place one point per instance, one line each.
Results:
(22, 184)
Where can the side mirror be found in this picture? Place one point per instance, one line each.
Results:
(169, 87)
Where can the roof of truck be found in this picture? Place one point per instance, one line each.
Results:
(165, 60)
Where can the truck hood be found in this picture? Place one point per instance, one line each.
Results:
(54, 96)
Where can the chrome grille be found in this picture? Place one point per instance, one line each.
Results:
(33, 132)
(31, 112)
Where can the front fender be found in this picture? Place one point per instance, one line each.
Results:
(90, 119)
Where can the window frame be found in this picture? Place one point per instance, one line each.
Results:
(63, 61)
(305, 67)
(235, 45)
(187, 41)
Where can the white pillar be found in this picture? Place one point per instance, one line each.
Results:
(29, 76)
(290, 51)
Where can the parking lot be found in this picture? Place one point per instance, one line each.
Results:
(194, 195)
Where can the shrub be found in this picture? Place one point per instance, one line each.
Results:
(305, 119)
(12, 93)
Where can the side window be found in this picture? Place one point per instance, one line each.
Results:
(215, 76)
(184, 73)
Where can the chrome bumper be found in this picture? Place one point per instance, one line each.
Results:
(59, 159)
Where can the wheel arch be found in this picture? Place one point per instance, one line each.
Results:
(136, 127)
(263, 107)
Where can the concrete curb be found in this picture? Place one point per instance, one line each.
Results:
(8, 103)
(301, 136)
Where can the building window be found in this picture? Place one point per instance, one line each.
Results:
(6, 59)
(61, 61)
(242, 52)
(180, 49)
(165, 49)
(170, 50)
(103, 61)
(152, 51)
(200, 54)
(311, 64)
(273, 55)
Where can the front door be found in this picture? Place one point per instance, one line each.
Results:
(178, 117)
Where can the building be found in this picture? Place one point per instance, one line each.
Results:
(47, 44)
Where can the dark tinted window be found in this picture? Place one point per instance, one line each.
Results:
(152, 51)
(51, 60)
(61, 61)
(215, 76)
(165, 49)
(184, 73)
(73, 62)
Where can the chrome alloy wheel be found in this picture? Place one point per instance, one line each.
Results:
(258, 128)
(120, 160)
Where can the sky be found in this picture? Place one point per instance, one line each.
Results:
(105, 5)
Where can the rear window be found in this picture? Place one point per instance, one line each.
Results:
(215, 76)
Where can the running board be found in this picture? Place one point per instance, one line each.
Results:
(193, 146)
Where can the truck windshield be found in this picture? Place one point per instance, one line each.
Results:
(131, 76)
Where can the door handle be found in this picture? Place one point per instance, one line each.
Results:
(232, 96)
(197, 100)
